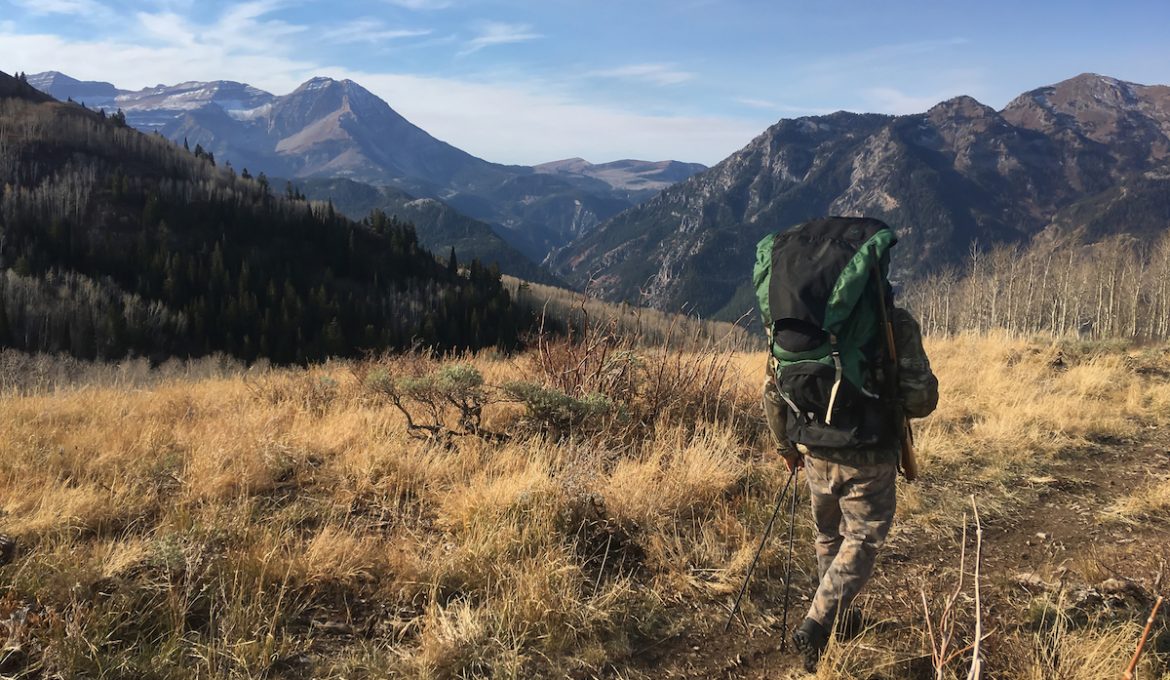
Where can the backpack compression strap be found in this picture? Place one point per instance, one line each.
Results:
(836, 381)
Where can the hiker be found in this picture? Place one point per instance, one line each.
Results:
(835, 402)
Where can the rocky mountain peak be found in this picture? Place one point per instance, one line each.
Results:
(319, 83)
(961, 107)
(323, 95)
(316, 83)
(1096, 107)
(50, 79)
(63, 87)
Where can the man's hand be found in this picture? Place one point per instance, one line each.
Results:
(793, 460)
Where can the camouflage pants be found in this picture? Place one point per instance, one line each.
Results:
(853, 508)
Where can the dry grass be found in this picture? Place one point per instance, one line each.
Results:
(283, 523)
(1149, 502)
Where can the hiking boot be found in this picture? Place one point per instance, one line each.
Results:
(810, 639)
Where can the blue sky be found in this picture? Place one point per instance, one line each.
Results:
(527, 82)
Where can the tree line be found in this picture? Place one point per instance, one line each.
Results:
(1114, 288)
(116, 243)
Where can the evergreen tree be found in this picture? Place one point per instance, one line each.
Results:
(452, 263)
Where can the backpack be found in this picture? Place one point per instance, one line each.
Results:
(823, 289)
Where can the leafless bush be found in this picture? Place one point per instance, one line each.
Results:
(663, 383)
(438, 401)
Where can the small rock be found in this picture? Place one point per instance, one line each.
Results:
(333, 627)
(1043, 536)
(1032, 581)
(1115, 586)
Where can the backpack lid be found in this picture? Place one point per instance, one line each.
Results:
(815, 273)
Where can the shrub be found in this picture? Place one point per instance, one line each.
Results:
(431, 399)
(557, 413)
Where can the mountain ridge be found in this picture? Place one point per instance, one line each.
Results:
(958, 174)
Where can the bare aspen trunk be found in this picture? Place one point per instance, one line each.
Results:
(1135, 308)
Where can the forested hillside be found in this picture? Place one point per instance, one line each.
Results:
(114, 242)
(440, 227)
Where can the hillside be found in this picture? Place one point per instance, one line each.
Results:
(442, 227)
(119, 242)
(331, 129)
(1088, 153)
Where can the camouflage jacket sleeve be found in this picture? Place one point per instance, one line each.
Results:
(776, 415)
(917, 385)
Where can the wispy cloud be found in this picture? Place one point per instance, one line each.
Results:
(883, 55)
(494, 33)
(656, 74)
(241, 43)
(243, 28)
(422, 4)
(757, 103)
(369, 31)
(779, 107)
(506, 119)
(532, 121)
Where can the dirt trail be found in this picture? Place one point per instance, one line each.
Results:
(1051, 536)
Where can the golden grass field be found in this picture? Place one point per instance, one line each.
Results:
(210, 522)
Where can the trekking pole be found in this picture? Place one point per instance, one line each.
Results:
(763, 540)
(1128, 675)
(788, 568)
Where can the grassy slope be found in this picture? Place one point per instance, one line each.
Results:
(640, 324)
(206, 522)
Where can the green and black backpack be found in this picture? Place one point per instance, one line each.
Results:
(823, 289)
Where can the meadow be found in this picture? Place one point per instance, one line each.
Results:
(580, 510)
